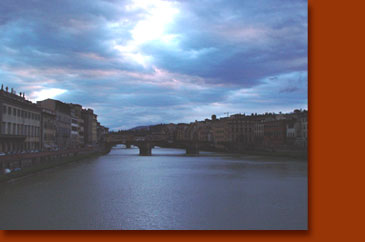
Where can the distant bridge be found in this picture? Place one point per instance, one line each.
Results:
(146, 142)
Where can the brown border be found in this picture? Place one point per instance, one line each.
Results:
(335, 173)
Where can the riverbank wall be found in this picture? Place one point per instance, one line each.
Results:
(17, 165)
(288, 152)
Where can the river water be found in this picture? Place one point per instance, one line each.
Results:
(167, 190)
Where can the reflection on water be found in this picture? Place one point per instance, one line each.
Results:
(168, 190)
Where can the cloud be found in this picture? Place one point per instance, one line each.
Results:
(46, 93)
(157, 61)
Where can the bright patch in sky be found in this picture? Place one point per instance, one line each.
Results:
(157, 15)
(46, 93)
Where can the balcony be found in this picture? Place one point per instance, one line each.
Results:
(11, 137)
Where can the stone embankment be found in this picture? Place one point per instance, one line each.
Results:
(16, 165)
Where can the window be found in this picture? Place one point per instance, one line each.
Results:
(14, 111)
(3, 127)
(9, 110)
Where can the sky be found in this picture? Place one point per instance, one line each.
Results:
(143, 62)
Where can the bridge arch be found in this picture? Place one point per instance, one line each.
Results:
(146, 143)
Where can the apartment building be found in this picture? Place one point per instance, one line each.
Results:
(63, 121)
(90, 126)
(48, 130)
(20, 122)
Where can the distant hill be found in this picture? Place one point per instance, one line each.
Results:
(141, 128)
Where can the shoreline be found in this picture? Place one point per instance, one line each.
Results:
(298, 154)
(52, 163)
(22, 172)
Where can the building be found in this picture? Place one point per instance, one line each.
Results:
(204, 131)
(77, 126)
(94, 129)
(101, 132)
(246, 131)
(301, 128)
(170, 131)
(304, 130)
(275, 133)
(48, 130)
(63, 121)
(20, 122)
(221, 133)
(181, 130)
(258, 130)
(90, 126)
(81, 132)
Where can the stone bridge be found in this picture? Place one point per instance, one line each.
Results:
(146, 143)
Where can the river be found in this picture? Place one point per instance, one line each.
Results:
(168, 190)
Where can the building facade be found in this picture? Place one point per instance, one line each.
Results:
(90, 126)
(275, 133)
(20, 122)
(48, 130)
(101, 132)
(63, 121)
(77, 126)
(221, 133)
(181, 132)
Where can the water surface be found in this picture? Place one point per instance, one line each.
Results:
(167, 190)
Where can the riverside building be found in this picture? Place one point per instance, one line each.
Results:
(90, 126)
(77, 126)
(20, 123)
(63, 121)
(48, 130)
